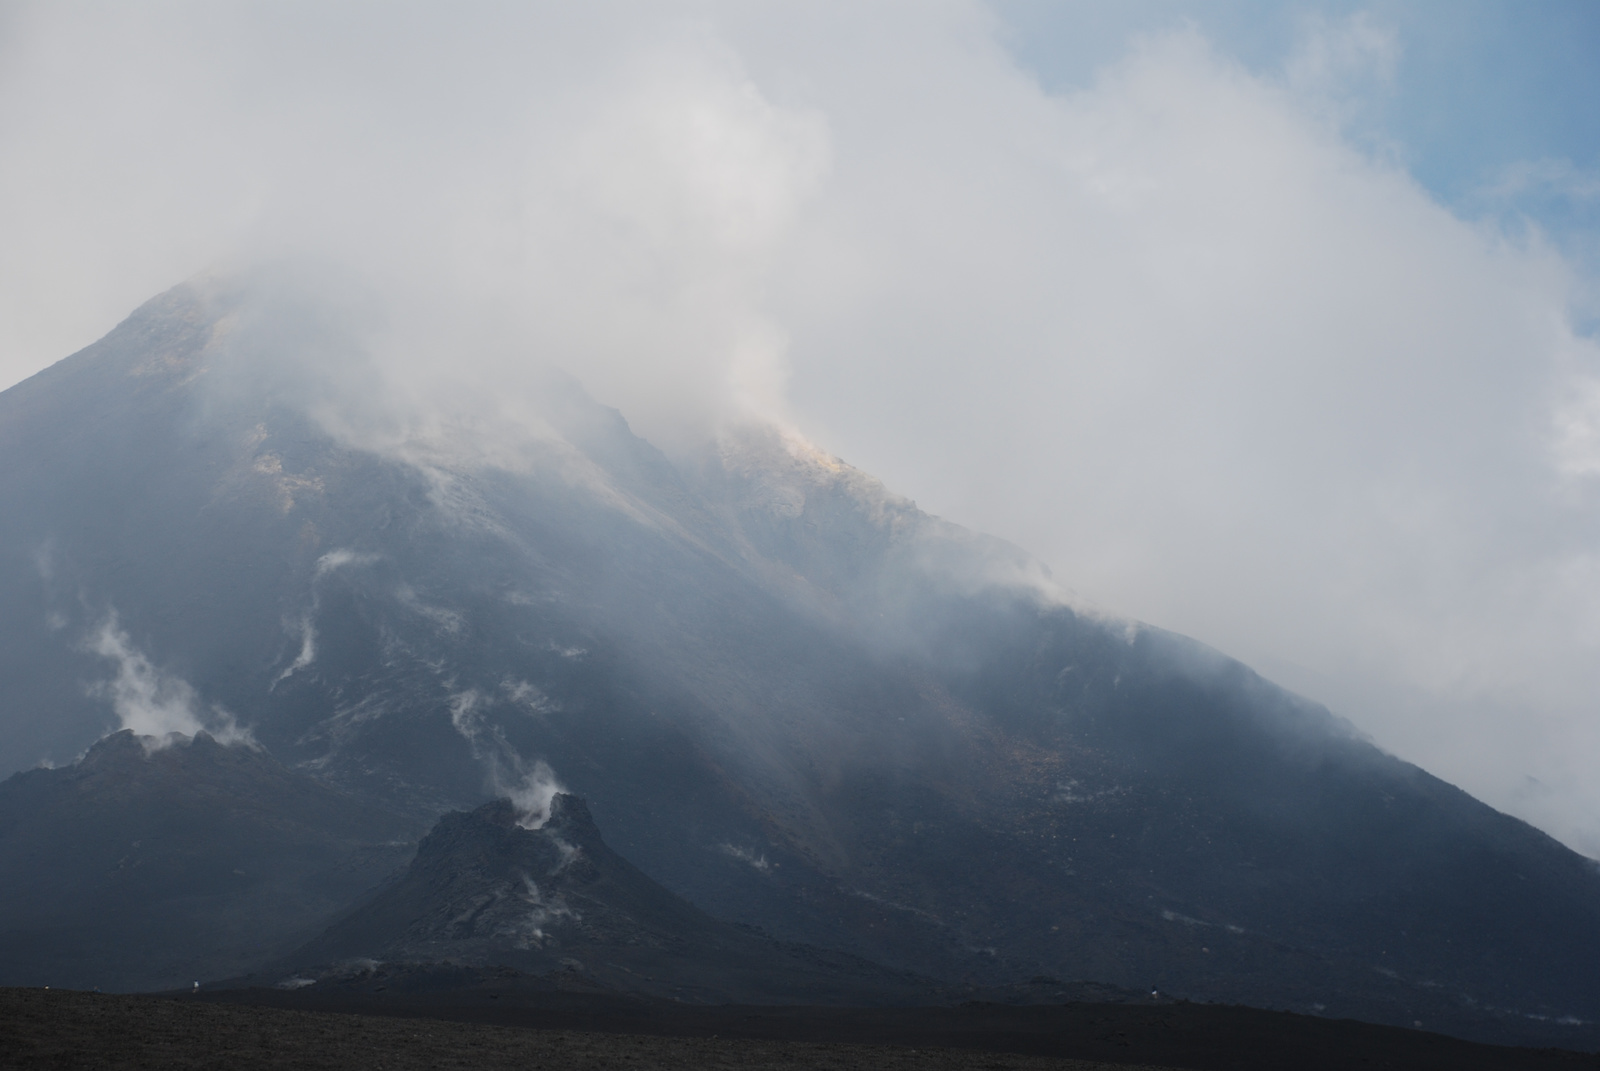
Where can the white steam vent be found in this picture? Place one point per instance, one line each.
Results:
(533, 795)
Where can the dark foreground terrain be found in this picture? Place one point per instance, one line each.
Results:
(60, 1029)
(244, 1029)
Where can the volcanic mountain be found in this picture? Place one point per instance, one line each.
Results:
(789, 696)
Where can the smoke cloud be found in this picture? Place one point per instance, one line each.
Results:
(1189, 332)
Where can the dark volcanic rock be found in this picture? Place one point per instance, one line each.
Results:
(555, 903)
(145, 869)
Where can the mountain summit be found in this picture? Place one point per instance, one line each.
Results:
(790, 698)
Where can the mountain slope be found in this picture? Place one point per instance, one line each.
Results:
(789, 696)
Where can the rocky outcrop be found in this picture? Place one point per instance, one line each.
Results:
(488, 889)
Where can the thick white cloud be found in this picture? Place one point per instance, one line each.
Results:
(1234, 374)
(1181, 333)
(602, 187)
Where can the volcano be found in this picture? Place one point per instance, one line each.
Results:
(791, 699)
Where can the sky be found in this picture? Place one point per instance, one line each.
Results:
(1270, 323)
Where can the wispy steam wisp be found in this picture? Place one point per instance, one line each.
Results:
(306, 623)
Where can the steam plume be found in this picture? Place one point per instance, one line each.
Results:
(157, 706)
(530, 787)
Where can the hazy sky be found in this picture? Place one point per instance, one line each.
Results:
(1269, 323)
